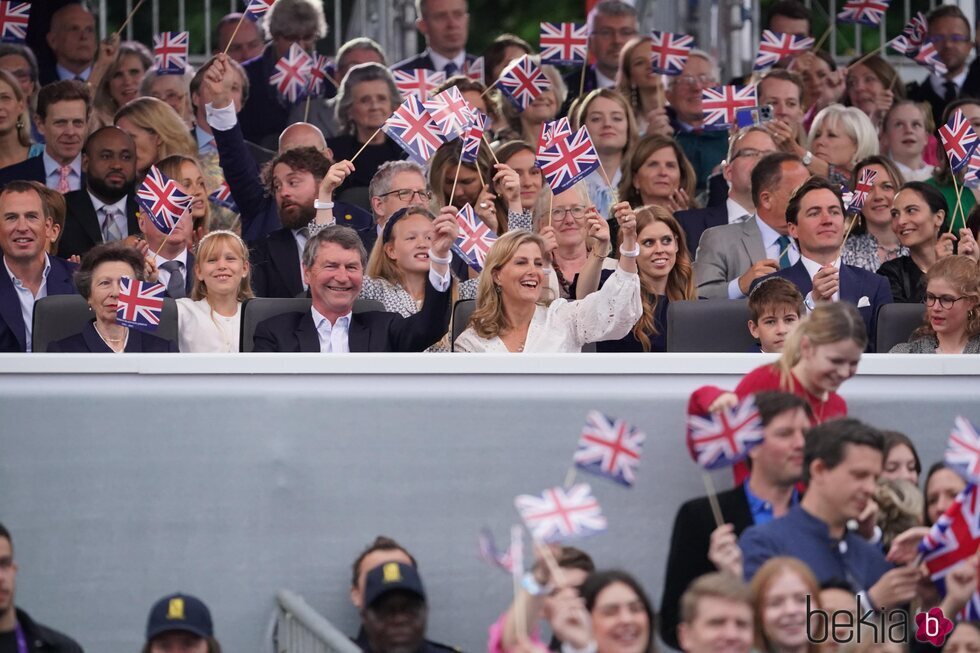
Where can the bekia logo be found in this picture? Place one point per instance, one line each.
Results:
(932, 627)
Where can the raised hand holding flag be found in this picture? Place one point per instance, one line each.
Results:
(725, 438)
(861, 190)
(609, 447)
(560, 514)
(450, 112)
(475, 238)
(522, 81)
(140, 304)
(959, 140)
(567, 160)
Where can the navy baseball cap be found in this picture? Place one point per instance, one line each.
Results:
(179, 612)
(389, 577)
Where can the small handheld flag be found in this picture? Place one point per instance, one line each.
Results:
(222, 197)
(140, 304)
(14, 17)
(163, 202)
(963, 450)
(670, 52)
(609, 447)
(319, 74)
(928, 56)
(258, 8)
(475, 238)
(723, 439)
(170, 52)
(450, 112)
(863, 12)
(959, 140)
(861, 190)
(522, 81)
(510, 560)
(292, 74)
(775, 47)
(552, 130)
(475, 70)
(473, 138)
(568, 160)
(563, 43)
(412, 128)
(420, 83)
(560, 514)
(721, 104)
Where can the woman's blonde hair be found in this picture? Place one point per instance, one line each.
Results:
(963, 274)
(382, 266)
(855, 124)
(489, 320)
(23, 125)
(170, 166)
(900, 504)
(103, 100)
(624, 82)
(158, 117)
(582, 110)
(764, 578)
(644, 149)
(827, 323)
(208, 246)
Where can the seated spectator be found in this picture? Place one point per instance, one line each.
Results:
(172, 89)
(471, 184)
(19, 60)
(120, 84)
(59, 209)
(569, 225)
(31, 273)
(783, 592)
(180, 622)
(643, 88)
(186, 173)
(473, 92)
(62, 118)
(900, 506)
(731, 257)
(873, 86)
(15, 624)
(839, 137)
(243, 40)
(716, 615)
(658, 173)
(942, 176)
(105, 209)
(775, 309)
(698, 545)
(210, 319)
(904, 136)
(665, 275)
(15, 123)
(73, 41)
(157, 131)
(823, 82)
(952, 322)
(815, 218)
(97, 280)
(501, 52)
(396, 185)
(610, 123)
(526, 125)
(512, 315)
(333, 266)
(519, 157)
(783, 91)
(841, 460)
(941, 488)
(872, 240)
(617, 616)
(901, 458)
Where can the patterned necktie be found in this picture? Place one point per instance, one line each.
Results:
(110, 229)
(63, 173)
(175, 286)
(783, 242)
(450, 69)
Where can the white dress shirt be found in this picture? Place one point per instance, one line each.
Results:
(201, 331)
(736, 212)
(812, 267)
(163, 276)
(122, 221)
(770, 241)
(601, 81)
(27, 298)
(64, 73)
(922, 174)
(439, 62)
(939, 83)
(52, 172)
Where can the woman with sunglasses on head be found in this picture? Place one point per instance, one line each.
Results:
(952, 319)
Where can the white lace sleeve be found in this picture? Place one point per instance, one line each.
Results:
(467, 289)
(372, 288)
(607, 314)
(522, 220)
(468, 341)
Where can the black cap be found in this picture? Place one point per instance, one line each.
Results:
(389, 577)
(179, 612)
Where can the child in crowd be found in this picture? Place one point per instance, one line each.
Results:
(775, 308)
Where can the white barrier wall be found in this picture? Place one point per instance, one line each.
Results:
(123, 478)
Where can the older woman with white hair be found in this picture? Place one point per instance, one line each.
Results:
(839, 137)
(566, 228)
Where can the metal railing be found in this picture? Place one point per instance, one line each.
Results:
(301, 629)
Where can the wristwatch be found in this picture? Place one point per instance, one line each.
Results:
(808, 158)
(317, 204)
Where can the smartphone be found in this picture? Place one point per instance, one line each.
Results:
(753, 116)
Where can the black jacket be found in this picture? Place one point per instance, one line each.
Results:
(41, 639)
(83, 230)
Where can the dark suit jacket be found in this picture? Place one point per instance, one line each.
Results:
(275, 266)
(375, 331)
(263, 115)
(13, 332)
(572, 82)
(695, 221)
(89, 342)
(31, 169)
(688, 555)
(83, 230)
(923, 92)
(423, 60)
(855, 283)
(189, 274)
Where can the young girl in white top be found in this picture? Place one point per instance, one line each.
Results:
(210, 320)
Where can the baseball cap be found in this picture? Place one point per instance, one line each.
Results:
(179, 612)
(389, 577)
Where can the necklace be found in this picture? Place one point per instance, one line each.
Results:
(107, 338)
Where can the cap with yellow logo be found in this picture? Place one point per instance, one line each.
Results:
(179, 612)
(389, 577)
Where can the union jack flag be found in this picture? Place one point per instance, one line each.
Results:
(928, 56)
(915, 31)
(319, 74)
(475, 238)
(412, 128)
(474, 135)
(959, 140)
(864, 12)
(725, 438)
(522, 81)
(164, 203)
(170, 52)
(564, 43)
(721, 104)
(511, 560)
(552, 130)
(955, 536)
(971, 178)
(901, 45)
(292, 74)
(609, 447)
(140, 304)
(420, 83)
(258, 8)
(774, 47)
(861, 190)
(670, 52)
(559, 514)
(475, 70)
(963, 450)
(222, 197)
(14, 17)
(450, 112)
(567, 160)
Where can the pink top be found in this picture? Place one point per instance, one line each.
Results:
(495, 636)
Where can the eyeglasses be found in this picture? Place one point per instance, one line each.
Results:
(577, 212)
(748, 153)
(691, 80)
(939, 39)
(945, 301)
(606, 33)
(406, 194)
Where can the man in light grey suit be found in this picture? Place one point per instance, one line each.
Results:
(730, 257)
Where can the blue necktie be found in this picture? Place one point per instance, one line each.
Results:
(783, 242)
(450, 69)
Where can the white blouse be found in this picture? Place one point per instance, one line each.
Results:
(565, 326)
(202, 331)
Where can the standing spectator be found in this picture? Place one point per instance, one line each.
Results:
(941, 488)
(789, 17)
(248, 41)
(872, 240)
(611, 24)
(157, 131)
(783, 591)
(121, 82)
(610, 123)
(783, 91)
(446, 27)
(180, 622)
(658, 173)
(16, 626)
(873, 86)
(15, 122)
(904, 137)
(716, 615)
(643, 88)
(617, 616)
(72, 40)
(569, 224)
(949, 30)
(501, 51)
(901, 459)
(30, 273)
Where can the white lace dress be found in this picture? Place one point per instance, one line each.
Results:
(565, 326)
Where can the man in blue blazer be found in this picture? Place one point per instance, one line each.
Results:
(28, 272)
(815, 216)
(446, 27)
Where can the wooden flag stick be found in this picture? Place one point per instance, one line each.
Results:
(235, 33)
(570, 477)
(606, 177)
(490, 147)
(847, 233)
(824, 37)
(130, 17)
(455, 179)
(959, 204)
(549, 559)
(478, 173)
(368, 142)
(709, 486)
(551, 205)
(585, 64)
(306, 112)
(865, 57)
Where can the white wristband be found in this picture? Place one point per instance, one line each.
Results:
(630, 253)
(440, 261)
(317, 204)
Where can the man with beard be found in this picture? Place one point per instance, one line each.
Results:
(18, 632)
(105, 210)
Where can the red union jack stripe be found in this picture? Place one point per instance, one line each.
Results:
(774, 47)
(725, 438)
(411, 127)
(511, 560)
(721, 103)
(222, 197)
(552, 130)
(609, 447)
(955, 536)
(475, 70)
(474, 135)
(865, 12)
(420, 83)
(959, 140)
(450, 112)
(669, 52)
(559, 514)
(963, 450)
(567, 160)
(170, 52)
(140, 304)
(164, 203)
(14, 17)
(319, 74)
(564, 43)
(916, 30)
(292, 74)
(522, 81)
(928, 56)
(475, 238)
(258, 8)
(971, 178)
(861, 190)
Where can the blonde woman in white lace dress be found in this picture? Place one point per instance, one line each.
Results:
(514, 315)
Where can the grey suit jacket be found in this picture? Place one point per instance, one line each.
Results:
(725, 253)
